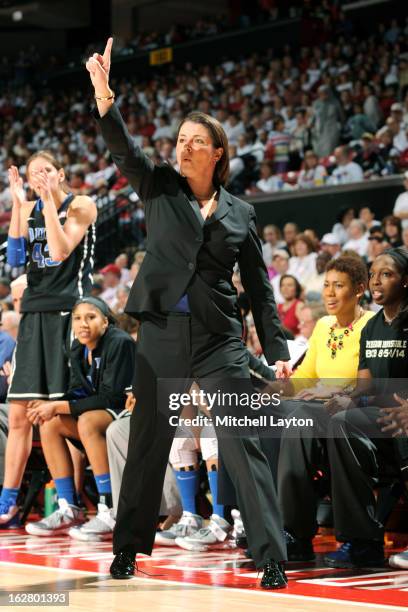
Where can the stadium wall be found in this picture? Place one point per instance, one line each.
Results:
(319, 207)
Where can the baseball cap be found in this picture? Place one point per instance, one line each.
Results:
(280, 253)
(330, 239)
(113, 268)
(367, 136)
(397, 107)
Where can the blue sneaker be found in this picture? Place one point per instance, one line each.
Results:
(359, 553)
(9, 517)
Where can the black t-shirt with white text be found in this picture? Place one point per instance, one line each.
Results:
(384, 348)
(384, 352)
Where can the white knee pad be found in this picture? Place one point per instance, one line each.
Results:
(183, 451)
(208, 443)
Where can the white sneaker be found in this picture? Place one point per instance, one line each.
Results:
(399, 560)
(187, 525)
(98, 528)
(60, 521)
(215, 535)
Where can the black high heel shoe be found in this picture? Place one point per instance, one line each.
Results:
(273, 576)
(123, 565)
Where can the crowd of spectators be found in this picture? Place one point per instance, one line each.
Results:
(322, 19)
(332, 113)
(296, 260)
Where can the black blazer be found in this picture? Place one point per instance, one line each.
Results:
(186, 254)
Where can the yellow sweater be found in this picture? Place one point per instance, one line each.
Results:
(318, 362)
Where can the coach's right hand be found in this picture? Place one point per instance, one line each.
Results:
(98, 67)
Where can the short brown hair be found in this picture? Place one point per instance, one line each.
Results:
(354, 267)
(298, 286)
(219, 140)
(50, 157)
(308, 241)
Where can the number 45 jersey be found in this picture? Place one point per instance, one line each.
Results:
(56, 285)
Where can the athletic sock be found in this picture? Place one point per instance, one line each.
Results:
(9, 496)
(213, 482)
(66, 489)
(187, 483)
(103, 484)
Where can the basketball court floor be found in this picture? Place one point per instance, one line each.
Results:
(174, 579)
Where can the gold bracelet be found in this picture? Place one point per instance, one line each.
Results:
(103, 98)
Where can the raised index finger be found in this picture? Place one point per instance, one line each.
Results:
(108, 49)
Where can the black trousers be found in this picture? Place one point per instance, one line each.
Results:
(351, 450)
(360, 456)
(178, 347)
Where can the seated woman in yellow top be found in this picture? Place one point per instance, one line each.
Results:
(333, 354)
(333, 351)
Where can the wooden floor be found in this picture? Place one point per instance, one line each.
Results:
(180, 580)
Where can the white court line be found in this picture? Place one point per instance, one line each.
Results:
(344, 602)
(357, 579)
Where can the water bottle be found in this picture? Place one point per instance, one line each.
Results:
(50, 498)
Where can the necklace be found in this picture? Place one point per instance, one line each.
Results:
(336, 340)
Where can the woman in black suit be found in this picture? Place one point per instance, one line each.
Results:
(191, 327)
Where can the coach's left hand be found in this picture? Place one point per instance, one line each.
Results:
(130, 402)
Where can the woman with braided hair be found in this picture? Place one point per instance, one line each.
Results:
(358, 445)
